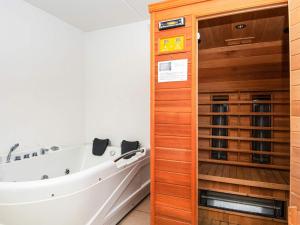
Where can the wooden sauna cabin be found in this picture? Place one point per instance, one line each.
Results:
(244, 117)
(225, 112)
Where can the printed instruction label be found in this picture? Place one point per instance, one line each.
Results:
(173, 70)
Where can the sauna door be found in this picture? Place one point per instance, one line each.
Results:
(294, 11)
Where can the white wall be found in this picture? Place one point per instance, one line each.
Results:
(41, 78)
(61, 86)
(118, 83)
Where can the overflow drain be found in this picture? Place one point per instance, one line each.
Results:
(44, 177)
(67, 171)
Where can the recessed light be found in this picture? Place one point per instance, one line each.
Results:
(240, 26)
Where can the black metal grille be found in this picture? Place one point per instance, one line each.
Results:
(221, 120)
(249, 205)
(261, 121)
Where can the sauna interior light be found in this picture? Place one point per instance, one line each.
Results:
(240, 26)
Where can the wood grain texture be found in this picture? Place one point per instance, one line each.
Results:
(219, 32)
(169, 116)
(294, 11)
(173, 94)
(173, 154)
(263, 65)
(172, 213)
(238, 189)
(225, 217)
(247, 176)
(173, 178)
(293, 215)
(202, 8)
(173, 166)
(172, 137)
(173, 190)
(295, 16)
(159, 220)
(293, 4)
(174, 202)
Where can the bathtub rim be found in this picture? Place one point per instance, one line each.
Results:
(75, 175)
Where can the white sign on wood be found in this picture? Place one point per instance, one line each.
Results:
(173, 70)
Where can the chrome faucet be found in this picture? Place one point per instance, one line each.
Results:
(44, 151)
(14, 147)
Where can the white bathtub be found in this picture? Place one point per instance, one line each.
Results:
(97, 191)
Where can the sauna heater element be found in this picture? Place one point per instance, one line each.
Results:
(219, 106)
(249, 205)
(261, 121)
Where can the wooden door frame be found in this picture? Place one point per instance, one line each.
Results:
(176, 8)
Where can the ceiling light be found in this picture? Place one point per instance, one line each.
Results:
(240, 26)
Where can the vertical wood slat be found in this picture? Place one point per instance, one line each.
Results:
(294, 13)
(171, 133)
(293, 215)
(152, 119)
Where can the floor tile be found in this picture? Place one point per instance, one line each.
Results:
(136, 218)
(144, 206)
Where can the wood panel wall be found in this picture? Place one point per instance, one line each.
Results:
(294, 7)
(173, 157)
(263, 65)
(241, 72)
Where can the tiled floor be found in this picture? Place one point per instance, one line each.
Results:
(140, 215)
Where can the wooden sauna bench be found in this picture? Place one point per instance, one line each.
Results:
(211, 216)
(255, 182)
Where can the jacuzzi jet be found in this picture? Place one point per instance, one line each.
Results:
(44, 177)
(67, 171)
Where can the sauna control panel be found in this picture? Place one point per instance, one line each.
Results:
(169, 24)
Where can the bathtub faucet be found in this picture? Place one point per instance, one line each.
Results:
(14, 147)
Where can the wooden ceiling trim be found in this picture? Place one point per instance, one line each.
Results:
(169, 4)
(212, 8)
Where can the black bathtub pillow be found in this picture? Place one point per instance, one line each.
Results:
(99, 146)
(127, 146)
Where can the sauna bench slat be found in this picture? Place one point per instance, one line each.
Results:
(244, 164)
(244, 114)
(207, 220)
(245, 127)
(246, 176)
(283, 154)
(243, 102)
(277, 140)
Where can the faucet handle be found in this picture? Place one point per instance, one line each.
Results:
(54, 148)
(44, 150)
